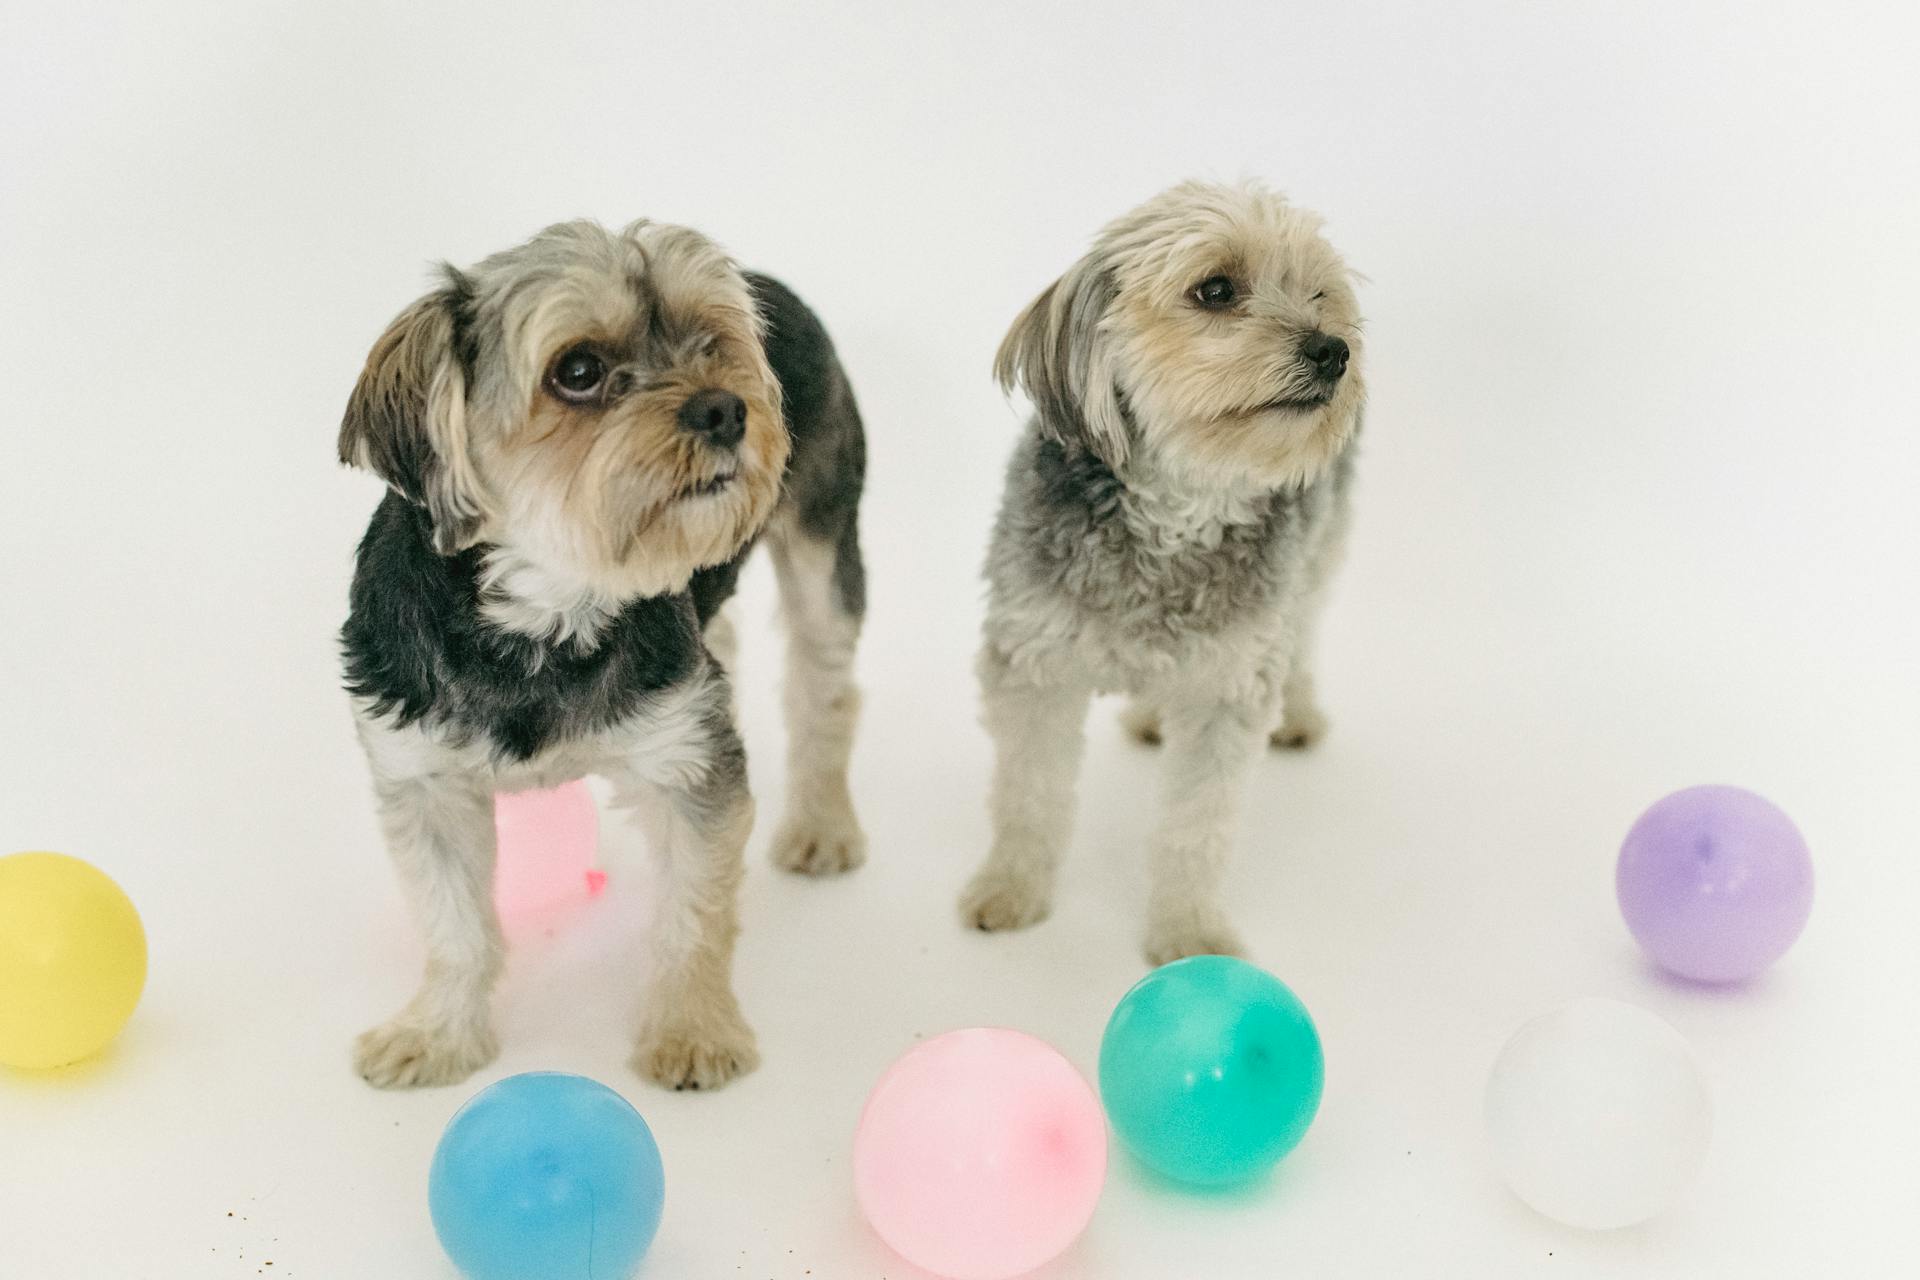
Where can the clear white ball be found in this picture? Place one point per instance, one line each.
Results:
(1598, 1114)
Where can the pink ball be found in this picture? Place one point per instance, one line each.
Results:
(547, 841)
(980, 1155)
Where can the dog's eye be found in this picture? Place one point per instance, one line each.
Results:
(1215, 293)
(1316, 297)
(578, 375)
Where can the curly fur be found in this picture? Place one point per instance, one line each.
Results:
(1169, 522)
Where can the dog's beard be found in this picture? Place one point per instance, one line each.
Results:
(1294, 400)
(706, 522)
(637, 507)
(701, 508)
(1260, 440)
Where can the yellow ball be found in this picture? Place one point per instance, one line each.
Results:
(73, 959)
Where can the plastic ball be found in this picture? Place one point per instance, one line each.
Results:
(546, 1176)
(1715, 883)
(547, 842)
(73, 960)
(1211, 1070)
(980, 1155)
(1598, 1115)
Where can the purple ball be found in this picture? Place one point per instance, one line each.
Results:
(1715, 883)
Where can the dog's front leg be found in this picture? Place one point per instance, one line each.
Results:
(440, 832)
(697, 814)
(1038, 733)
(1209, 746)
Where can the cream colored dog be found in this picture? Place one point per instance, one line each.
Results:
(1169, 523)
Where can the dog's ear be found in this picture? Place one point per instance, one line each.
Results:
(407, 418)
(1058, 352)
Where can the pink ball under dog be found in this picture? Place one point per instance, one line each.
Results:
(547, 841)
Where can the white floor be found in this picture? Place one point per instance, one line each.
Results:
(1637, 513)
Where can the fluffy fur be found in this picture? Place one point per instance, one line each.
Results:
(583, 436)
(1169, 522)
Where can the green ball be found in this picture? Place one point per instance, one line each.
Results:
(1211, 1070)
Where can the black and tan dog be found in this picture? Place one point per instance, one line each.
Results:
(584, 436)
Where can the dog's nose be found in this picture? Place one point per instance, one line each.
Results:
(1326, 353)
(716, 416)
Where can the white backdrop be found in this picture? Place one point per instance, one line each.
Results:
(1637, 512)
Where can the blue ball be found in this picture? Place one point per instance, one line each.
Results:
(546, 1176)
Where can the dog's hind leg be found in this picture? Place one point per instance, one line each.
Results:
(822, 598)
(1141, 720)
(723, 639)
(1302, 723)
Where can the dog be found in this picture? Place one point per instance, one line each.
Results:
(1171, 516)
(582, 438)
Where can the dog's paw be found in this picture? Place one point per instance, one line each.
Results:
(406, 1055)
(1142, 723)
(684, 1055)
(1169, 942)
(1300, 729)
(819, 843)
(996, 902)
